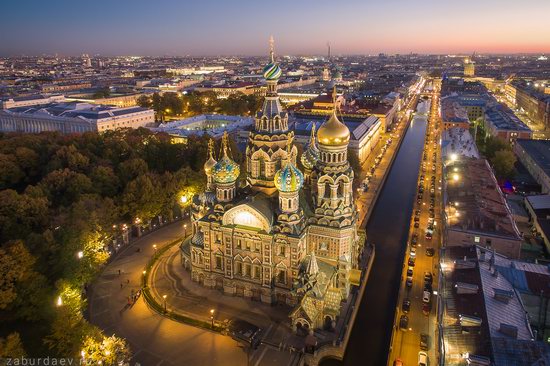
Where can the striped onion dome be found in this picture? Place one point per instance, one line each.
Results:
(272, 71)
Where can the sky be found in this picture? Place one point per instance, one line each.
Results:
(300, 27)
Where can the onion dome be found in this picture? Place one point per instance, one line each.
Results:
(211, 162)
(272, 71)
(311, 154)
(289, 178)
(333, 132)
(225, 170)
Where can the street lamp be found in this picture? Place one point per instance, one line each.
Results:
(80, 254)
(155, 248)
(183, 199)
(185, 230)
(212, 317)
(164, 298)
(59, 301)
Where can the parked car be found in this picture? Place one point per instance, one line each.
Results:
(424, 346)
(422, 358)
(426, 297)
(404, 322)
(426, 308)
(411, 262)
(245, 331)
(409, 272)
(409, 282)
(406, 306)
(412, 252)
(428, 278)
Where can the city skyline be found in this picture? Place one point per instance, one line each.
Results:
(212, 28)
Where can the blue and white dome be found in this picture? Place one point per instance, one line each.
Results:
(289, 178)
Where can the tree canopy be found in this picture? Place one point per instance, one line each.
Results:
(63, 195)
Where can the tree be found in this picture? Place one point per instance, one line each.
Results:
(21, 287)
(354, 161)
(144, 101)
(106, 350)
(104, 181)
(11, 347)
(21, 214)
(11, 174)
(503, 163)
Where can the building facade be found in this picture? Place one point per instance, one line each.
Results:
(73, 118)
(279, 238)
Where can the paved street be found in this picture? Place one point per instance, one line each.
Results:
(154, 339)
(406, 343)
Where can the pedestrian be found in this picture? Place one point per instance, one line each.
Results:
(119, 272)
(121, 285)
(128, 281)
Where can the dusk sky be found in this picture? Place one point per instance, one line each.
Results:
(242, 27)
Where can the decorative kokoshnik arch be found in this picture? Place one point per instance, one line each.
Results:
(246, 215)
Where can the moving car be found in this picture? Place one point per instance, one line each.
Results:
(430, 251)
(428, 278)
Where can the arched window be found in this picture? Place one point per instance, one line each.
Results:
(281, 276)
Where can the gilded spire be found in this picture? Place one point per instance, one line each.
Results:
(211, 148)
(312, 137)
(225, 143)
(272, 49)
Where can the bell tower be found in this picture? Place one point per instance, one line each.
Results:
(267, 143)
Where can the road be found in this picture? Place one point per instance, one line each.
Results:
(406, 343)
(387, 230)
(154, 340)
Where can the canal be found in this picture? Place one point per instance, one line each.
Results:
(387, 229)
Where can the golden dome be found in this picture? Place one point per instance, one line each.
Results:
(333, 132)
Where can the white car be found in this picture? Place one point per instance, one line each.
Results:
(426, 297)
(422, 359)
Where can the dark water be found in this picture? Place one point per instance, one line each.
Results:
(388, 229)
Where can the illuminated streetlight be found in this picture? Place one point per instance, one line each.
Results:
(164, 298)
(59, 301)
(456, 177)
(155, 247)
(454, 157)
(80, 254)
(183, 199)
(212, 317)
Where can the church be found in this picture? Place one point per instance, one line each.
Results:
(283, 235)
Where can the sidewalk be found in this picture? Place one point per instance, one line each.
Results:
(153, 339)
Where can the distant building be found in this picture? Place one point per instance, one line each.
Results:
(73, 117)
(30, 100)
(475, 209)
(492, 310)
(504, 124)
(538, 208)
(63, 87)
(535, 156)
(534, 103)
(469, 67)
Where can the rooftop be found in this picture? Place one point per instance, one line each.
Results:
(474, 201)
(539, 151)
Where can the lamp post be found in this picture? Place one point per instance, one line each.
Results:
(184, 230)
(144, 279)
(164, 298)
(212, 317)
(155, 248)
